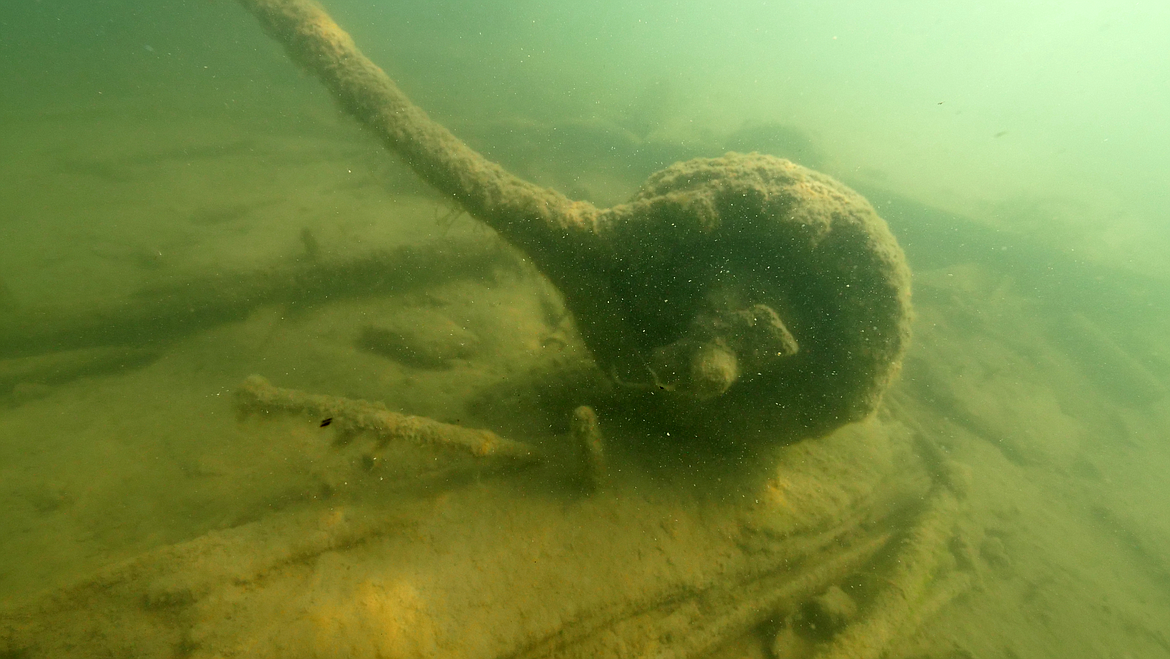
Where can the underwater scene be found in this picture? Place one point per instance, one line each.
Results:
(540, 329)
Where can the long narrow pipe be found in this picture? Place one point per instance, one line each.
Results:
(524, 213)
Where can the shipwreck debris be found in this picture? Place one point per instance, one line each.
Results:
(350, 417)
(656, 285)
(587, 435)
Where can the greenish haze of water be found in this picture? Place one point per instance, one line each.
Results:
(1019, 149)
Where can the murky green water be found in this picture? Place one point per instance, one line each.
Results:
(181, 207)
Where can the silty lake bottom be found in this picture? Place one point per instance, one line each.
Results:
(183, 209)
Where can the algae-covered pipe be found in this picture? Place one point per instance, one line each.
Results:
(554, 231)
(523, 212)
(728, 289)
